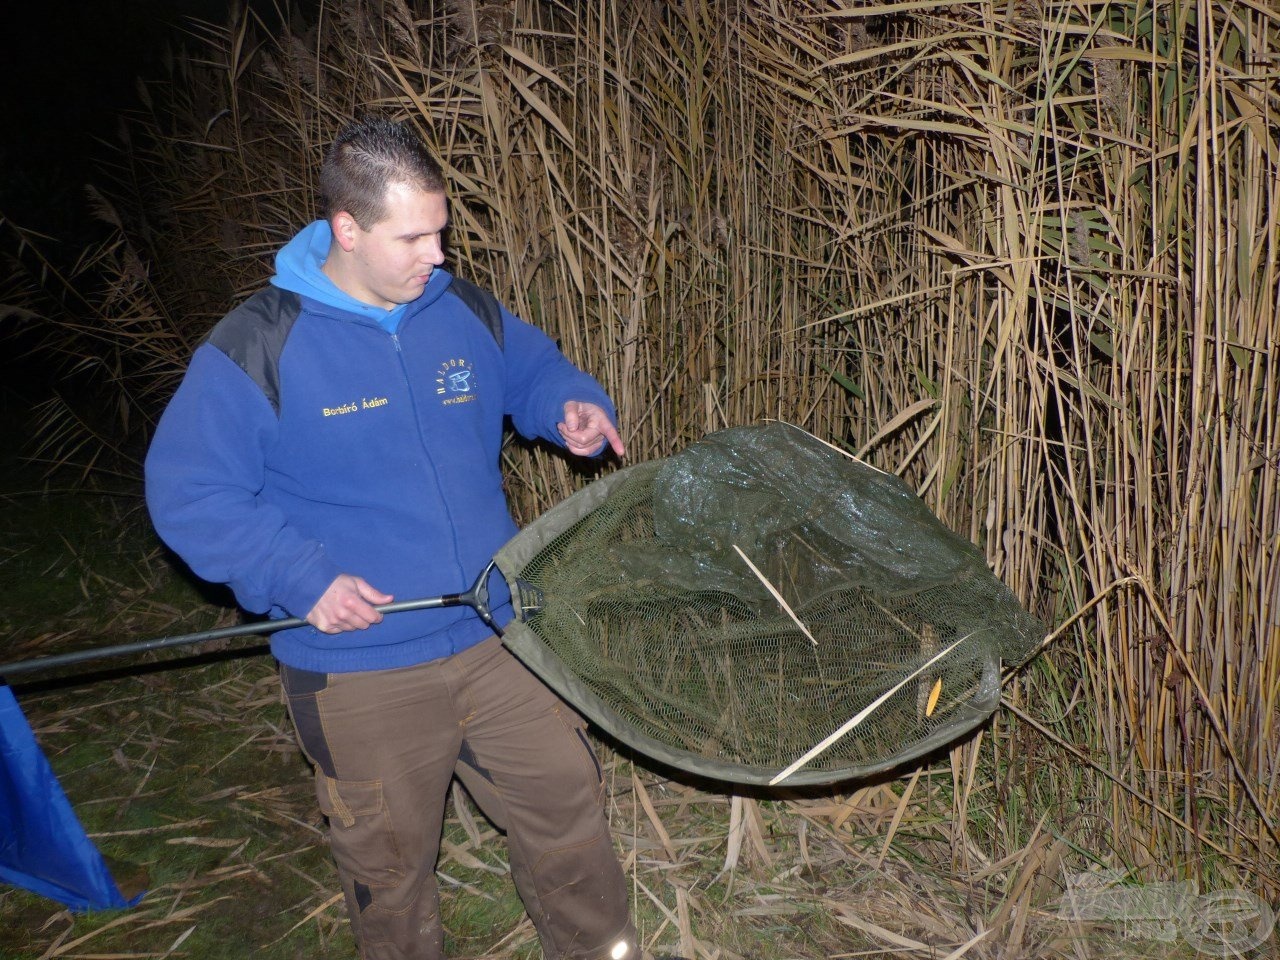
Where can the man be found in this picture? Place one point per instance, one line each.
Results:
(334, 444)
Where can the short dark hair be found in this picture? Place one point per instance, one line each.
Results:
(367, 157)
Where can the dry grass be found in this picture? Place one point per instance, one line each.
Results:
(217, 820)
(1023, 254)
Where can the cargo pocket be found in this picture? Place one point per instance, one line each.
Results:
(361, 834)
(578, 728)
(591, 752)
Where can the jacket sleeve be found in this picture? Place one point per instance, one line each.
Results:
(541, 380)
(205, 471)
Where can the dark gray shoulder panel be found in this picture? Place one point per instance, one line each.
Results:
(482, 303)
(254, 333)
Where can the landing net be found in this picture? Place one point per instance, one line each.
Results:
(730, 608)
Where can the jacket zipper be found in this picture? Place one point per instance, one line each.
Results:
(430, 462)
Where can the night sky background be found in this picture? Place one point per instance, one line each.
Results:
(72, 68)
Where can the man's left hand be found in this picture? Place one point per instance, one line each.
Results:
(585, 427)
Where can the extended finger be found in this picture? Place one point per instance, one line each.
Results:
(610, 433)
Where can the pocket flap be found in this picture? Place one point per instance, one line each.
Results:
(344, 800)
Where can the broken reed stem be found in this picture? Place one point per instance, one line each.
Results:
(1242, 775)
(850, 724)
(1147, 801)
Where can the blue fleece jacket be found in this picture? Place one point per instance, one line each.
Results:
(314, 435)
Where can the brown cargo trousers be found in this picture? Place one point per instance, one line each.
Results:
(385, 745)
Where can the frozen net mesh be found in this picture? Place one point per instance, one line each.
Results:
(643, 612)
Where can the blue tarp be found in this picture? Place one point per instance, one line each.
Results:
(43, 847)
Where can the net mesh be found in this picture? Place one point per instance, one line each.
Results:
(727, 609)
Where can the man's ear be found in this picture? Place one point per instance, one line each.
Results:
(344, 228)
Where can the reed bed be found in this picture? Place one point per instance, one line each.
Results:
(1023, 254)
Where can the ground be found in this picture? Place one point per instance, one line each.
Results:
(183, 769)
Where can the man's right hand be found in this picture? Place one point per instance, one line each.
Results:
(347, 605)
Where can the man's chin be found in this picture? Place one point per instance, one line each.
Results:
(410, 292)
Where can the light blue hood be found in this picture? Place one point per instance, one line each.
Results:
(298, 269)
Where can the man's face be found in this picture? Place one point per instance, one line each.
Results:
(392, 261)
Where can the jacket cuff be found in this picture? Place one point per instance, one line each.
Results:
(310, 580)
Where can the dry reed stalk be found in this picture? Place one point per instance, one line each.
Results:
(1074, 370)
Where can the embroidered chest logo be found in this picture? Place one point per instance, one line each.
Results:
(455, 381)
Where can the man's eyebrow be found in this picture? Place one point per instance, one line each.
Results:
(414, 234)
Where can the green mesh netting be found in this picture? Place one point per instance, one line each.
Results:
(657, 603)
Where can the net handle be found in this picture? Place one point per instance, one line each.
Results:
(476, 597)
